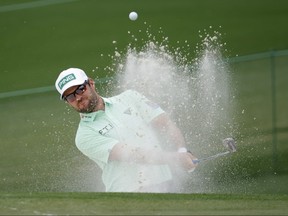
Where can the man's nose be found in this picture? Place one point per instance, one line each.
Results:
(78, 97)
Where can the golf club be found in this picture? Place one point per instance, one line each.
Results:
(228, 143)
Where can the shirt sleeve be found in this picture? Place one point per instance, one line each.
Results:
(147, 108)
(95, 146)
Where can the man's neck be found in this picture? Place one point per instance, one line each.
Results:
(100, 105)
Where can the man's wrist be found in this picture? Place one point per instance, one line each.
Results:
(182, 150)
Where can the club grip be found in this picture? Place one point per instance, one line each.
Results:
(195, 161)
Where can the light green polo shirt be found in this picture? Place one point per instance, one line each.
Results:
(126, 119)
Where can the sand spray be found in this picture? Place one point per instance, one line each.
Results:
(196, 92)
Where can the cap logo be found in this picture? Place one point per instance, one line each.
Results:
(65, 80)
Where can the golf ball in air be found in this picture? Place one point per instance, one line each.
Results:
(133, 16)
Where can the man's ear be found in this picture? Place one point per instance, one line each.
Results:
(91, 82)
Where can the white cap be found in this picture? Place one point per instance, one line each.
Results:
(68, 78)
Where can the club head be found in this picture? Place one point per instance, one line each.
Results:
(230, 144)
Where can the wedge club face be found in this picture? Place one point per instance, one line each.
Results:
(230, 144)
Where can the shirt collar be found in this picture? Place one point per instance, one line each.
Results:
(107, 101)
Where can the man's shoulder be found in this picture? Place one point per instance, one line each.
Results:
(126, 95)
(127, 92)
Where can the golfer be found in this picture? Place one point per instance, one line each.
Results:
(121, 134)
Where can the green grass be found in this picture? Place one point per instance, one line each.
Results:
(144, 204)
(37, 43)
(38, 156)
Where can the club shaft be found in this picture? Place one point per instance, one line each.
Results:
(211, 157)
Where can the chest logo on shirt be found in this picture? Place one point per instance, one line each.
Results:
(106, 129)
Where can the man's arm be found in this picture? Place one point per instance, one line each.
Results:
(128, 153)
(168, 128)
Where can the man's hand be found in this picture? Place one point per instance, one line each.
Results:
(185, 161)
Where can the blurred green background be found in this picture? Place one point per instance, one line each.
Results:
(38, 39)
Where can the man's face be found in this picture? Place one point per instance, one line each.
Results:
(82, 98)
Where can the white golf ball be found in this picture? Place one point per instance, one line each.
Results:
(133, 16)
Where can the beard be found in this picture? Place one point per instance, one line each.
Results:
(87, 109)
(87, 104)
